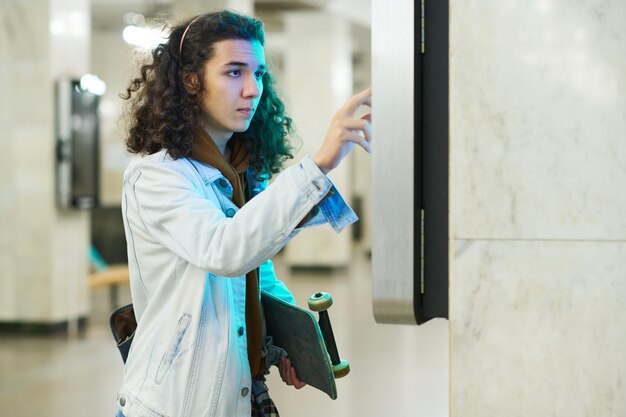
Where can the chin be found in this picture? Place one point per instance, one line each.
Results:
(241, 129)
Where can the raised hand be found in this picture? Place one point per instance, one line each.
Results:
(346, 132)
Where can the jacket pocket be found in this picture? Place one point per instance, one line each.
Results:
(173, 348)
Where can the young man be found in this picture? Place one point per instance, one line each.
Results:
(202, 224)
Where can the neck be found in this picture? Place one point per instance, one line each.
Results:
(219, 137)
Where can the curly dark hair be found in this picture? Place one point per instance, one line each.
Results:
(163, 114)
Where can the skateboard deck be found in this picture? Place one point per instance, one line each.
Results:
(296, 330)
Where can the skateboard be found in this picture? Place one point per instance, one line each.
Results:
(310, 344)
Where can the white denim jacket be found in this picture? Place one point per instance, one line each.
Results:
(189, 248)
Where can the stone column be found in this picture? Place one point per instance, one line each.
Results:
(317, 81)
(43, 251)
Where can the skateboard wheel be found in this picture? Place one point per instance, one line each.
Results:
(341, 369)
(320, 301)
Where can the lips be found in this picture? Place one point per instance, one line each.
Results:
(248, 111)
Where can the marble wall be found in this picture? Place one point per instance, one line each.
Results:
(43, 252)
(538, 150)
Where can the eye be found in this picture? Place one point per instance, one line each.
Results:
(234, 73)
(259, 74)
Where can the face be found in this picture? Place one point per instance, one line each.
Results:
(232, 86)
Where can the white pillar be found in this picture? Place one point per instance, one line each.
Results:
(317, 81)
(43, 252)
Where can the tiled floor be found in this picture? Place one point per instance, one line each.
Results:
(396, 370)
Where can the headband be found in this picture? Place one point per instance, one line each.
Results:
(180, 48)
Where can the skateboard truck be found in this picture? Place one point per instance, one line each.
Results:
(321, 302)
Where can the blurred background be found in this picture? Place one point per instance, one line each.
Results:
(63, 65)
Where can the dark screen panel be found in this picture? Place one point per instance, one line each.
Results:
(431, 161)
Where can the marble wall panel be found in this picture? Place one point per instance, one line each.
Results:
(7, 211)
(538, 117)
(5, 103)
(24, 30)
(33, 281)
(31, 99)
(538, 329)
(6, 171)
(69, 293)
(539, 168)
(32, 191)
(8, 300)
(33, 176)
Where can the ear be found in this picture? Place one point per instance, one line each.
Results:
(190, 81)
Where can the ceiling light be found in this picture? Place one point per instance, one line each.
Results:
(144, 37)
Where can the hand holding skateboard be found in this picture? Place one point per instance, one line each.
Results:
(310, 345)
(288, 373)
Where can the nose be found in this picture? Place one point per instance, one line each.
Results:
(252, 87)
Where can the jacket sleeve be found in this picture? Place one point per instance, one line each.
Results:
(179, 216)
(331, 209)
